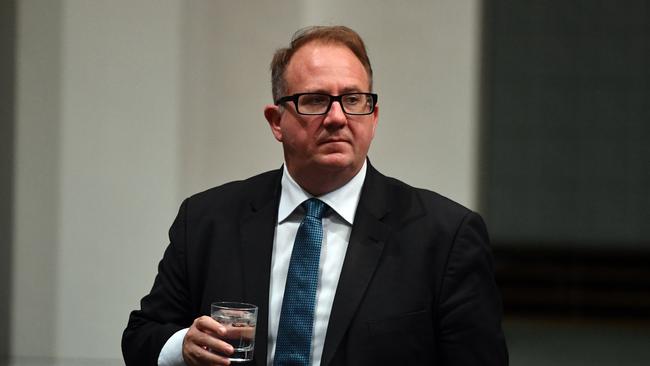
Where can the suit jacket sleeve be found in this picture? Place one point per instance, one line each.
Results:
(165, 309)
(470, 304)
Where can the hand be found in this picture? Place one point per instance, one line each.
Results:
(203, 344)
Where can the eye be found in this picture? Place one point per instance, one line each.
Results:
(314, 99)
(352, 99)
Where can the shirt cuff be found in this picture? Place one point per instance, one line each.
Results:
(172, 352)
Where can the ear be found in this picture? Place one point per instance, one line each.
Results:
(273, 116)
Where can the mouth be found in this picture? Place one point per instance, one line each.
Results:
(333, 141)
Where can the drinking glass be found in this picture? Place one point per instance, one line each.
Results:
(240, 320)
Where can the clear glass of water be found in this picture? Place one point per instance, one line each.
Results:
(240, 320)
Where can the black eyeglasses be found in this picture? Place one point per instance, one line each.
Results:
(318, 103)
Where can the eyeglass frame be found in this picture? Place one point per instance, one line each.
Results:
(333, 98)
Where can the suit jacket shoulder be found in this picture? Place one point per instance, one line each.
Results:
(406, 202)
(233, 197)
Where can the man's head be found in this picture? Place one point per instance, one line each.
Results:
(323, 151)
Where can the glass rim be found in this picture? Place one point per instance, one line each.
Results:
(234, 305)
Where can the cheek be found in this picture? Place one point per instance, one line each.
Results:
(295, 136)
(364, 134)
(295, 130)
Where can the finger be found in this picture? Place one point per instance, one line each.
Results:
(201, 334)
(210, 326)
(216, 345)
(195, 355)
(245, 332)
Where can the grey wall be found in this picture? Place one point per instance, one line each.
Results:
(125, 107)
(36, 199)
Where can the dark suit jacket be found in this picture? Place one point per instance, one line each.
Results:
(417, 285)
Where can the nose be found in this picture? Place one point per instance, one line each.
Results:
(335, 118)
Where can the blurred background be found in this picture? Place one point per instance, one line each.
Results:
(534, 114)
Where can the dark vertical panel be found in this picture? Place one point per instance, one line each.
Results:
(566, 122)
(7, 122)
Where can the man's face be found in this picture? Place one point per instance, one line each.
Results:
(330, 143)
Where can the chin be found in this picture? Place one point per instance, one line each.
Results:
(336, 162)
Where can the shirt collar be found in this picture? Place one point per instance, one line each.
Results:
(343, 201)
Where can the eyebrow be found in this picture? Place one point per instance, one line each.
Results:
(343, 91)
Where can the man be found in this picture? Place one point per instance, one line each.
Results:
(404, 275)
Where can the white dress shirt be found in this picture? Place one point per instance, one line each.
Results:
(337, 226)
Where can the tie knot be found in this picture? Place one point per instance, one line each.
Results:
(314, 207)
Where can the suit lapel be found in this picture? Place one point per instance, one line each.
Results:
(366, 244)
(257, 231)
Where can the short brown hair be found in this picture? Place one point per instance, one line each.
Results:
(325, 34)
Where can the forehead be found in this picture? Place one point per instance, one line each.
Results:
(325, 67)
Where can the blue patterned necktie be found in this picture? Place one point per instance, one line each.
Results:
(293, 345)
